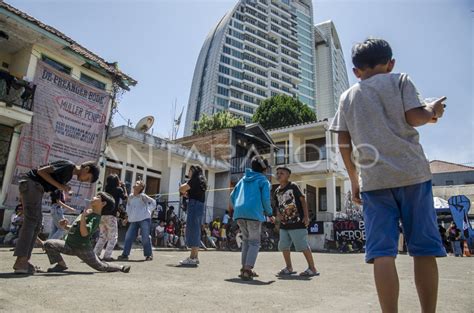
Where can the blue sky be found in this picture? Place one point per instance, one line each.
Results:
(158, 42)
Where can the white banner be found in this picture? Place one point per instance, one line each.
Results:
(68, 124)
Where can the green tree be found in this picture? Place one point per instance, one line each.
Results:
(281, 111)
(219, 120)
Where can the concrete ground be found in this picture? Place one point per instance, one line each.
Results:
(345, 285)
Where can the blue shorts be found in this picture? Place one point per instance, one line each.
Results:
(413, 205)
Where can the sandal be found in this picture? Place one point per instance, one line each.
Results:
(36, 269)
(254, 274)
(285, 272)
(246, 275)
(309, 273)
(57, 269)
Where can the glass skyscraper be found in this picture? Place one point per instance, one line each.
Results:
(259, 49)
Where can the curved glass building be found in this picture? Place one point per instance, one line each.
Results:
(259, 49)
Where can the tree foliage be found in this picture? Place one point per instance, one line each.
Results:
(281, 111)
(219, 120)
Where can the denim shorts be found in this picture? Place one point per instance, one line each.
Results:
(413, 206)
(193, 223)
(299, 237)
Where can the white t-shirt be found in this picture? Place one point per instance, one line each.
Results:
(139, 207)
(225, 219)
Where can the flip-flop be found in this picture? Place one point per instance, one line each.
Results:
(57, 269)
(309, 273)
(36, 269)
(285, 272)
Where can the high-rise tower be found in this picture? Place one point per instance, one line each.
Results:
(259, 49)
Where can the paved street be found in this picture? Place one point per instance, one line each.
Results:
(345, 285)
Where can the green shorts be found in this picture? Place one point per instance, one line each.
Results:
(299, 237)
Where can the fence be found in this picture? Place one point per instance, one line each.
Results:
(16, 92)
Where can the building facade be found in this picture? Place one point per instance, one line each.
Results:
(309, 151)
(331, 73)
(25, 44)
(134, 155)
(235, 147)
(449, 174)
(259, 49)
(451, 179)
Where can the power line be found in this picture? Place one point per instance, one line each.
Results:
(125, 119)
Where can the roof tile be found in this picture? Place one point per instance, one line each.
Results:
(76, 47)
(438, 166)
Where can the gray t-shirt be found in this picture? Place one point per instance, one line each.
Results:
(386, 148)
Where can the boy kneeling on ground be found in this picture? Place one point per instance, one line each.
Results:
(78, 239)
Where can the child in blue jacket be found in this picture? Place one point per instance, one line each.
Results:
(251, 202)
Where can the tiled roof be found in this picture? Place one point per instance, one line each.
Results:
(296, 125)
(110, 68)
(438, 166)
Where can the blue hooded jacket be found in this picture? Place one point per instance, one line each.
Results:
(251, 197)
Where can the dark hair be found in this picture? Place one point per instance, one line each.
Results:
(111, 183)
(197, 173)
(371, 53)
(259, 164)
(108, 199)
(56, 196)
(284, 168)
(93, 169)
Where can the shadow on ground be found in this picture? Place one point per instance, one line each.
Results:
(181, 266)
(254, 282)
(294, 277)
(12, 275)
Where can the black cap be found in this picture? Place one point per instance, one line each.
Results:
(283, 168)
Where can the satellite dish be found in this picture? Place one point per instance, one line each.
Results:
(145, 124)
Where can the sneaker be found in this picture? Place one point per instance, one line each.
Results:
(122, 258)
(126, 269)
(108, 259)
(149, 258)
(189, 261)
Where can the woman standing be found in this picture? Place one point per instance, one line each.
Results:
(196, 191)
(139, 215)
(108, 222)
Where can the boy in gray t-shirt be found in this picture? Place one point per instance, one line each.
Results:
(378, 117)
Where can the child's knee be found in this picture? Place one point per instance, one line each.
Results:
(384, 260)
(48, 245)
(424, 259)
